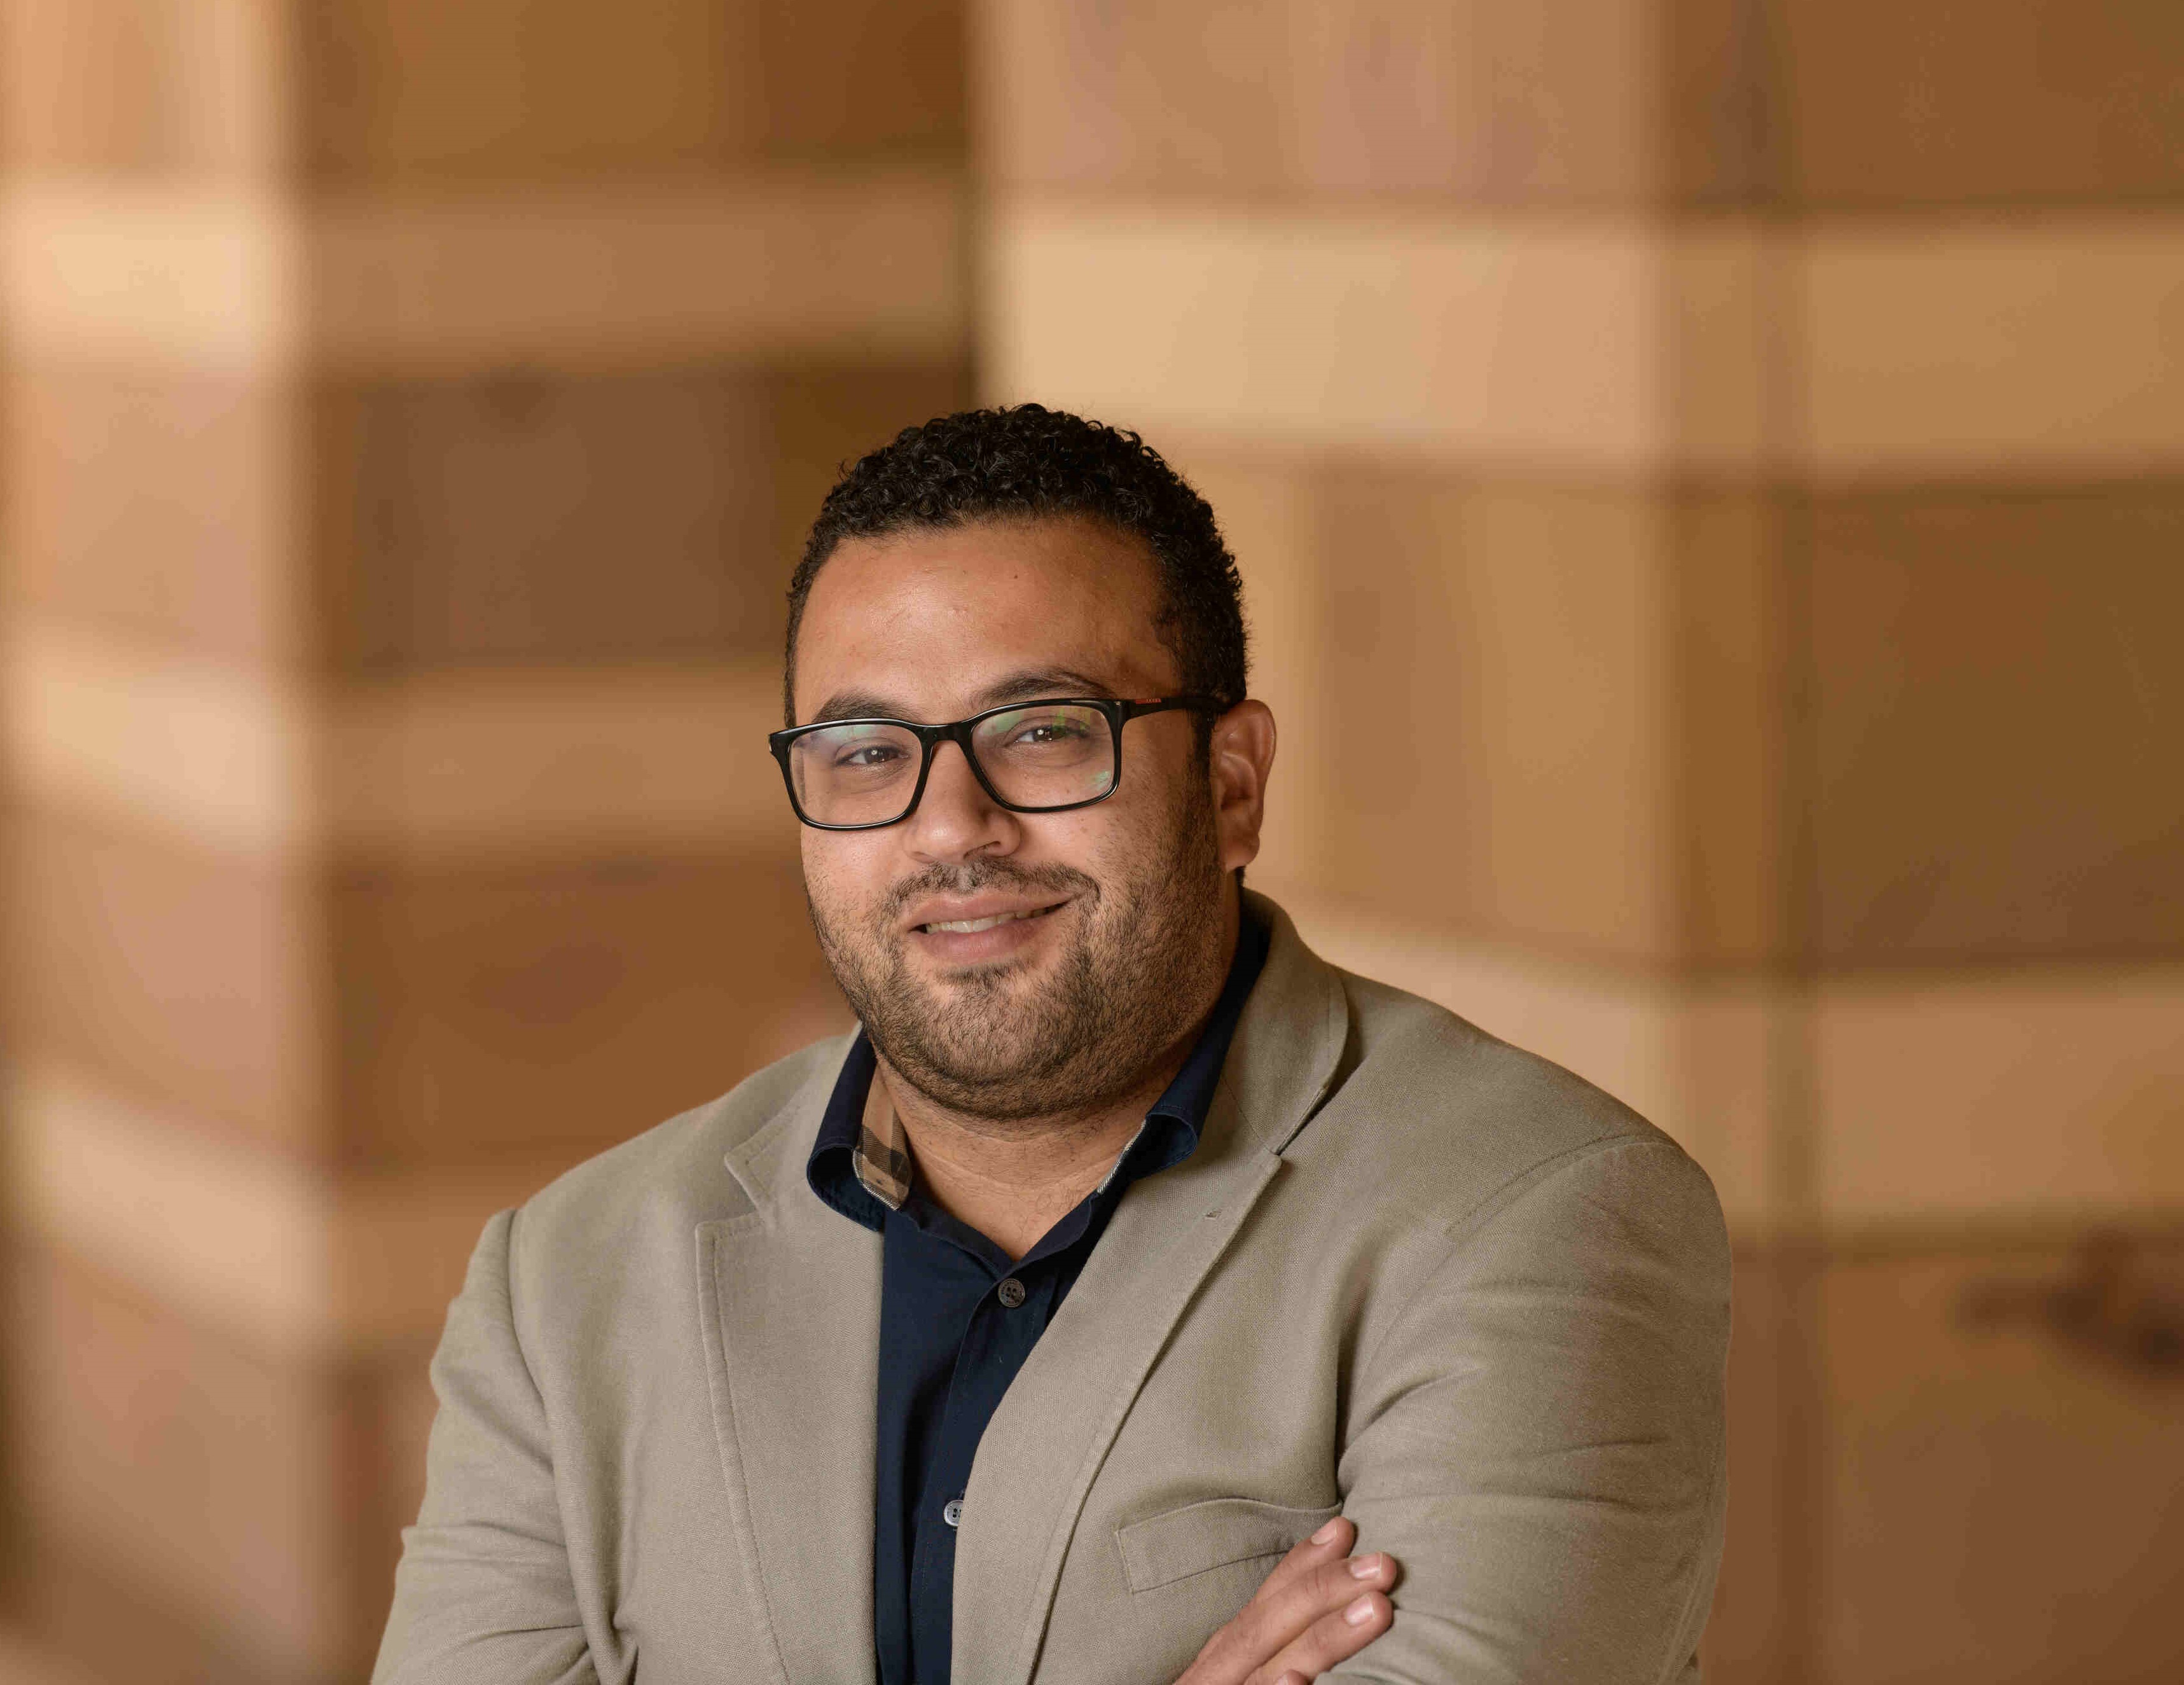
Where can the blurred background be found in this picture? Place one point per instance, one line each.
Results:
(1709, 477)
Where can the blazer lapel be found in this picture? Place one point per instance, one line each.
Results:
(1047, 1440)
(791, 1292)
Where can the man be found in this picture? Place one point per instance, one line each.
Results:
(1126, 1253)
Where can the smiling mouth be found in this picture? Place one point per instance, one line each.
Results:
(966, 926)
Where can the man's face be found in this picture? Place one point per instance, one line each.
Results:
(1014, 966)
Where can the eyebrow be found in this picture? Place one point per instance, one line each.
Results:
(1016, 687)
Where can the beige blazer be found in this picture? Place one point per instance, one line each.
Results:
(1411, 1275)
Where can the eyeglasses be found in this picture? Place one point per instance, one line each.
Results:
(1031, 757)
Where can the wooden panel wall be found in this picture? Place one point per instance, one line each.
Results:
(1709, 476)
(411, 413)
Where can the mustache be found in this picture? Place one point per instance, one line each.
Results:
(972, 876)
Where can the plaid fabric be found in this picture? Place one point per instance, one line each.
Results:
(882, 1159)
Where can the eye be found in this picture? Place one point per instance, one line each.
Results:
(869, 755)
(1040, 732)
(1047, 731)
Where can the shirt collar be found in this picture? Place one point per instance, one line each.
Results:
(860, 1164)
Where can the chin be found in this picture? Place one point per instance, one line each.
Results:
(981, 971)
(999, 987)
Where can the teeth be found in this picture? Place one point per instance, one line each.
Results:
(968, 925)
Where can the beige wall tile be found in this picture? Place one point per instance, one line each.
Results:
(185, 977)
(614, 516)
(1720, 102)
(1191, 94)
(188, 745)
(1730, 401)
(288, 1257)
(189, 1466)
(1498, 684)
(577, 760)
(1480, 100)
(411, 90)
(1044, 94)
(237, 1236)
(1269, 515)
(410, 87)
(1930, 102)
(1754, 1635)
(390, 1418)
(1203, 88)
(1604, 682)
(595, 518)
(1727, 1050)
(844, 78)
(159, 503)
(760, 268)
(1942, 1099)
(2000, 1501)
(1465, 338)
(2041, 346)
(1730, 720)
(74, 1604)
(581, 761)
(1558, 605)
(26, 1660)
(559, 1010)
(1601, 346)
(1477, 101)
(143, 87)
(1999, 716)
(150, 274)
(404, 1404)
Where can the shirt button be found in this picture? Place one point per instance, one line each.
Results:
(1011, 1292)
(952, 1512)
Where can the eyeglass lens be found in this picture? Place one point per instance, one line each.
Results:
(1043, 754)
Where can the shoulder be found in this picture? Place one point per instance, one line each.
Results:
(673, 1176)
(1433, 1114)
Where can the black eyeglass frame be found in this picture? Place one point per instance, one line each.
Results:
(1118, 712)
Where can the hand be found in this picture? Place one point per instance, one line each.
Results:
(1318, 1609)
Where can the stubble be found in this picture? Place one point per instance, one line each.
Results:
(996, 1044)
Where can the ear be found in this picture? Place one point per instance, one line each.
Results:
(1239, 758)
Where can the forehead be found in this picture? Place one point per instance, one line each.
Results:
(931, 618)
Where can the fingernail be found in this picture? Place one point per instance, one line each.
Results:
(1359, 1612)
(1326, 1534)
(1365, 1567)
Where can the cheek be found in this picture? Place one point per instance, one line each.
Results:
(838, 874)
(1118, 842)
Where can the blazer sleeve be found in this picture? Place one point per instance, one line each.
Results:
(1539, 1437)
(484, 1594)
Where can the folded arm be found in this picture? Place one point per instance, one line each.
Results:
(1538, 1438)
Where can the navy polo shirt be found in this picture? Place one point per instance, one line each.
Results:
(957, 1319)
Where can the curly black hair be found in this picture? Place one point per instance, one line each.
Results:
(1025, 461)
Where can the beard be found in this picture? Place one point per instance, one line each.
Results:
(994, 1043)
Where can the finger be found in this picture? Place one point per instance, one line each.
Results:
(1249, 1645)
(1330, 1544)
(1335, 1638)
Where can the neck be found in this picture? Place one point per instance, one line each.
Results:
(1013, 1179)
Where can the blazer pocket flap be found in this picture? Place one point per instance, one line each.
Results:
(1211, 1534)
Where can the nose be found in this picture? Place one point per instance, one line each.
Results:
(956, 819)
